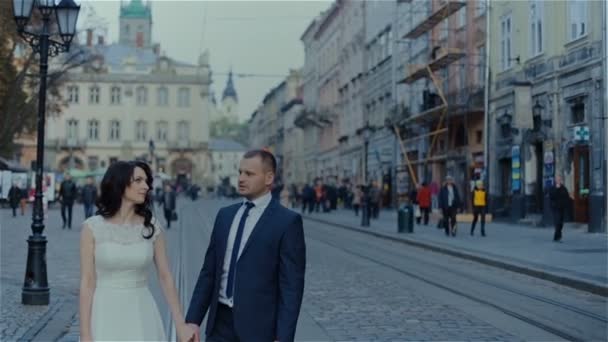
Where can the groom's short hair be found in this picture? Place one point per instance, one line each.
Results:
(268, 158)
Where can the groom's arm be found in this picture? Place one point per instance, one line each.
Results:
(203, 291)
(292, 266)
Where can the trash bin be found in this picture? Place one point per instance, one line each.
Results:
(405, 219)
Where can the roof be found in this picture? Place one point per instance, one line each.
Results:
(229, 91)
(136, 9)
(115, 55)
(225, 145)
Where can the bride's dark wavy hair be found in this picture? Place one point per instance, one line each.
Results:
(113, 185)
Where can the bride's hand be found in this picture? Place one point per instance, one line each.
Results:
(186, 333)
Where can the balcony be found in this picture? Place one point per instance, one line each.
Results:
(67, 143)
(445, 57)
(311, 118)
(447, 9)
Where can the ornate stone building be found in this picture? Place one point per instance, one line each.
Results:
(134, 102)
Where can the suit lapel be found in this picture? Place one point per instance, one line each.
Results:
(225, 230)
(264, 221)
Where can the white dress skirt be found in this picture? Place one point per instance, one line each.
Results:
(123, 307)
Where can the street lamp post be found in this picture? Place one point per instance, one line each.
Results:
(365, 133)
(35, 285)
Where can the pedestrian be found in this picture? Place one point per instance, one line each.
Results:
(89, 196)
(357, 197)
(308, 198)
(424, 201)
(480, 204)
(375, 196)
(117, 248)
(413, 197)
(168, 203)
(318, 196)
(23, 201)
(259, 297)
(14, 197)
(449, 202)
(560, 200)
(67, 196)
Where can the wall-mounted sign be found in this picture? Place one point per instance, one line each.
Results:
(515, 169)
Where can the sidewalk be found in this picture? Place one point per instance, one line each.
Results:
(20, 322)
(581, 261)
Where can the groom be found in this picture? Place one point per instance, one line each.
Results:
(252, 280)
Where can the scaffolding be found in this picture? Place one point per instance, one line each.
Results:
(432, 120)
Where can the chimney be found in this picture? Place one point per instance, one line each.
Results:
(89, 37)
(100, 41)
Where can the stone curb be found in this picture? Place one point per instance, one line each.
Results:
(582, 285)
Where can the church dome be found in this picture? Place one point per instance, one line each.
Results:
(136, 9)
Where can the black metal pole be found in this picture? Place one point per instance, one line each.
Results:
(35, 285)
(365, 200)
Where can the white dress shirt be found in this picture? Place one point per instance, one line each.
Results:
(252, 219)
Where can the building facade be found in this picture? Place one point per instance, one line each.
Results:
(226, 157)
(351, 91)
(379, 96)
(547, 107)
(440, 108)
(133, 102)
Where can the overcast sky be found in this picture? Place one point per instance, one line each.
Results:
(256, 37)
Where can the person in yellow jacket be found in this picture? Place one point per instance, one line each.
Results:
(480, 204)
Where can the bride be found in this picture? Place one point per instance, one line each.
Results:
(117, 248)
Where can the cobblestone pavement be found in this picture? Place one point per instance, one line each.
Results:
(18, 321)
(352, 298)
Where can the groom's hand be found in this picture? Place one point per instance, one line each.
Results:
(196, 331)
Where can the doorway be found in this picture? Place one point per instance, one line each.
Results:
(581, 184)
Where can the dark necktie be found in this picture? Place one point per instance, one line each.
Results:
(235, 249)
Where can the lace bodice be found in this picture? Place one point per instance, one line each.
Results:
(122, 255)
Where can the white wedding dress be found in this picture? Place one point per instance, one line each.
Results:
(123, 307)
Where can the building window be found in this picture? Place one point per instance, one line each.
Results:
(162, 98)
(94, 95)
(536, 28)
(115, 95)
(480, 9)
(72, 129)
(481, 65)
(73, 94)
(479, 136)
(114, 130)
(443, 29)
(578, 112)
(462, 17)
(93, 130)
(162, 129)
(578, 13)
(390, 43)
(505, 42)
(142, 96)
(93, 162)
(183, 131)
(141, 131)
(183, 97)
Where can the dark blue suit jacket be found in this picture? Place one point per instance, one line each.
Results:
(270, 276)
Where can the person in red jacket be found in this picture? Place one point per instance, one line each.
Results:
(424, 201)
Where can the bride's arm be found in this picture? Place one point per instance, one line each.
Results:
(87, 281)
(168, 285)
